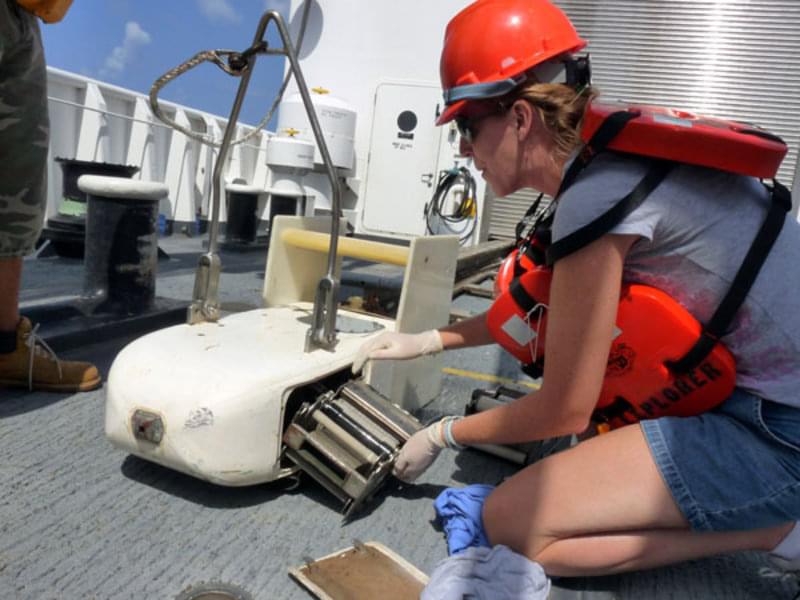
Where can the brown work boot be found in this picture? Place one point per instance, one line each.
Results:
(35, 366)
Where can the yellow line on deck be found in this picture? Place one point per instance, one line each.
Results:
(489, 378)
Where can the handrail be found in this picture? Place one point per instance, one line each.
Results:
(122, 117)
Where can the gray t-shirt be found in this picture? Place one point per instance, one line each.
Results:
(695, 229)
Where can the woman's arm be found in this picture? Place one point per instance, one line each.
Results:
(467, 332)
(402, 346)
(584, 297)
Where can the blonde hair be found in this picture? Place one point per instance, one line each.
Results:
(561, 109)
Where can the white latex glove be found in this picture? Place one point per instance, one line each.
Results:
(421, 449)
(398, 346)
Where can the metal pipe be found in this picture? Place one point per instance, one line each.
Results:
(331, 450)
(320, 472)
(365, 423)
(393, 418)
(344, 438)
(233, 119)
(322, 332)
(205, 297)
(363, 436)
(323, 147)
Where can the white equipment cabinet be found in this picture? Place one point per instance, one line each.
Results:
(403, 159)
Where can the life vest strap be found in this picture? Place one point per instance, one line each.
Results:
(781, 203)
(605, 222)
(522, 298)
(607, 131)
(529, 214)
(604, 135)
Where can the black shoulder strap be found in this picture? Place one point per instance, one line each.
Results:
(605, 222)
(530, 214)
(523, 299)
(742, 282)
(608, 130)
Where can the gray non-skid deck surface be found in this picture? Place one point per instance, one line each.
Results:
(82, 520)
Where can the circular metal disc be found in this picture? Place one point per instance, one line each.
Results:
(215, 590)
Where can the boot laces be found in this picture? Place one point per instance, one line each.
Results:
(38, 347)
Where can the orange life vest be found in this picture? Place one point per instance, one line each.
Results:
(662, 360)
(664, 134)
(685, 137)
(651, 330)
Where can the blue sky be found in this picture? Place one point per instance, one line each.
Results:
(130, 43)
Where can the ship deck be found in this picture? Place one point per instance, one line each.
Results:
(81, 519)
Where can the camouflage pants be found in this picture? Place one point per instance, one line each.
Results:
(24, 131)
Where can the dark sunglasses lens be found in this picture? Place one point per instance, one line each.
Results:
(464, 129)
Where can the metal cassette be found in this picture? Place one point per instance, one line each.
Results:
(348, 440)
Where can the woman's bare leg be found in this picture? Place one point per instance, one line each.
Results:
(602, 507)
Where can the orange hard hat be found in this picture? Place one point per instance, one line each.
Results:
(491, 47)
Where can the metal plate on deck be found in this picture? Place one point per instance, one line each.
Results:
(214, 590)
(361, 572)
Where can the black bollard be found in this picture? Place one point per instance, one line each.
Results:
(65, 229)
(121, 255)
(73, 202)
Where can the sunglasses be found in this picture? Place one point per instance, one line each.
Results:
(467, 126)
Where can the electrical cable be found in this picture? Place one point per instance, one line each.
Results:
(466, 210)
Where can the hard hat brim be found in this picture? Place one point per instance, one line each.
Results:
(450, 112)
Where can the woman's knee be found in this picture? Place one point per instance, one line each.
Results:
(492, 516)
(509, 514)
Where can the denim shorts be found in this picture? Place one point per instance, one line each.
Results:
(733, 468)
